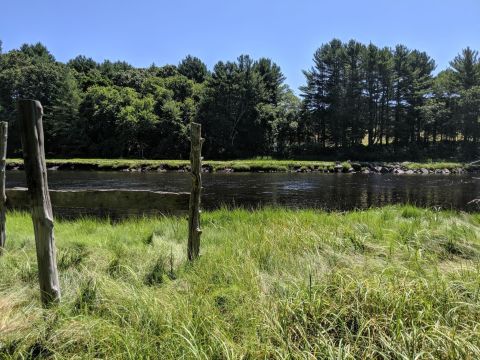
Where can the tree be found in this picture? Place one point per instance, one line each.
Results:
(117, 121)
(33, 73)
(464, 81)
(466, 69)
(87, 73)
(238, 108)
(357, 100)
(193, 68)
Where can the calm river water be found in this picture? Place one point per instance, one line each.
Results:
(297, 190)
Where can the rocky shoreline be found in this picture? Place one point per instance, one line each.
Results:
(397, 168)
(372, 168)
(340, 168)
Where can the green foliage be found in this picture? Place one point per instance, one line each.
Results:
(193, 68)
(32, 72)
(355, 90)
(360, 102)
(241, 108)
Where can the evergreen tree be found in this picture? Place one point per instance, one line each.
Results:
(193, 68)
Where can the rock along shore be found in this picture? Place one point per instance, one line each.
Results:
(343, 168)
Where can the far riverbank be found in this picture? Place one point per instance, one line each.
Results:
(255, 166)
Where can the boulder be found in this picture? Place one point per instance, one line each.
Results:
(356, 166)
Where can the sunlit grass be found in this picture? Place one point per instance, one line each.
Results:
(434, 165)
(397, 282)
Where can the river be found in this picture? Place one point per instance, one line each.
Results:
(295, 190)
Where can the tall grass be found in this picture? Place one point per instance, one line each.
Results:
(396, 282)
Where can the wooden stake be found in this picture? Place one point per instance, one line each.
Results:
(30, 114)
(194, 230)
(3, 198)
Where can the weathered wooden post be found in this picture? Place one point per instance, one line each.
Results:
(194, 230)
(3, 198)
(30, 114)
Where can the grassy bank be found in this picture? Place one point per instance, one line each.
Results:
(397, 282)
(253, 165)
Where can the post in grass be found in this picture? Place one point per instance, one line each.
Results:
(30, 113)
(3, 198)
(194, 230)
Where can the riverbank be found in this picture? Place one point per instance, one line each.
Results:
(394, 282)
(253, 166)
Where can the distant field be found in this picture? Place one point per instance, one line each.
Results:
(233, 165)
(396, 282)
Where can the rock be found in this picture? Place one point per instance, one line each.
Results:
(410, 172)
(365, 171)
(350, 170)
(356, 166)
(207, 168)
(398, 171)
(384, 170)
(338, 168)
(378, 169)
(445, 171)
(303, 170)
(424, 171)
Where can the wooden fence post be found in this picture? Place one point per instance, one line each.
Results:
(3, 198)
(30, 114)
(194, 230)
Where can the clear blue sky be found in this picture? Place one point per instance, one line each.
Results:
(145, 31)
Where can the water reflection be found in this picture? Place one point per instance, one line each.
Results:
(311, 190)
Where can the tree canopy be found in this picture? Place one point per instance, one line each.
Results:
(359, 100)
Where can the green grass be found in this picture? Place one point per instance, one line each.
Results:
(236, 165)
(259, 164)
(435, 165)
(397, 282)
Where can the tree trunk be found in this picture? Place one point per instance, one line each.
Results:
(3, 198)
(194, 230)
(30, 114)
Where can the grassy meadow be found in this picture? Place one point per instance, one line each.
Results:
(392, 283)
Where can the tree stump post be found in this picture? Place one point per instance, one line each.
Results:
(3, 198)
(30, 113)
(194, 230)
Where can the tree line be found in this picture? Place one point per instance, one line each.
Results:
(358, 101)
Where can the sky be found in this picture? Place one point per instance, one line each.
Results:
(143, 32)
